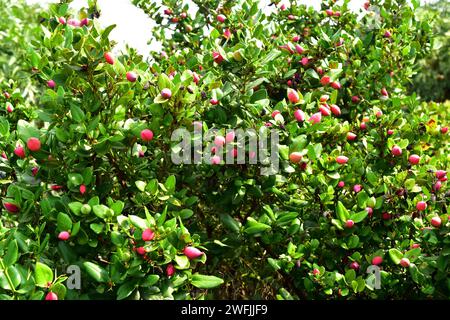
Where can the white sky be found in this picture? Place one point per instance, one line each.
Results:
(134, 26)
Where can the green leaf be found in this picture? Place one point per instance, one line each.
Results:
(360, 216)
(170, 183)
(182, 262)
(75, 178)
(126, 289)
(255, 227)
(64, 222)
(11, 254)
(42, 275)
(100, 210)
(205, 282)
(75, 207)
(77, 114)
(96, 272)
(342, 212)
(141, 185)
(395, 255)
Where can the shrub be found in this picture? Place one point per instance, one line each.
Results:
(100, 182)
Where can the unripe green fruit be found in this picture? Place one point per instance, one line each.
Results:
(237, 55)
(371, 202)
(86, 209)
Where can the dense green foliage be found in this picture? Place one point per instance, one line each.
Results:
(282, 236)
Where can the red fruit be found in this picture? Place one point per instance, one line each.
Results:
(295, 39)
(55, 187)
(315, 118)
(227, 33)
(396, 151)
(195, 77)
(221, 18)
(390, 132)
(329, 12)
(357, 188)
(4, 156)
(377, 260)
(354, 265)
(337, 14)
(316, 271)
(183, 15)
(386, 216)
(174, 20)
(170, 270)
(363, 126)
(324, 98)
(304, 61)
(414, 159)
(20, 152)
(299, 115)
(219, 141)
(131, 76)
(51, 84)
(421, 205)
(444, 130)
(335, 109)
(415, 245)
(384, 92)
(140, 251)
(293, 96)
(355, 99)
(335, 85)
(379, 113)
(319, 70)
(84, 22)
(141, 154)
(167, 11)
(291, 17)
(275, 112)
(64, 235)
(325, 80)
(62, 20)
(341, 159)
(192, 252)
(82, 189)
(351, 136)
(387, 34)
(324, 110)
(109, 57)
(166, 93)
(289, 83)
(9, 108)
(146, 135)
(440, 174)
(215, 160)
(51, 296)
(405, 262)
(437, 186)
(366, 5)
(369, 212)
(295, 157)
(214, 102)
(148, 234)
(34, 171)
(436, 222)
(217, 57)
(234, 152)
(349, 224)
(11, 207)
(34, 144)
(341, 184)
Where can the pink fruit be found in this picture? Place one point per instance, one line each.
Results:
(293, 96)
(315, 118)
(109, 57)
(355, 99)
(214, 101)
(192, 252)
(325, 80)
(404, 262)
(377, 260)
(51, 296)
(167, 11)
(357, 188)
(275, 112)
(384, 92)
(170, 270)
(351, 136)
(354, 265)
(229, 137)
(227, 33)
(219, 141)
(390, 132)
(316, 272)
(183, 15)
(324, 98)
(4, 156)
(62, 20)
(221, 18)
(84, 22)
(299, 115)
(234, 152)
(34, 171)
(421, 205)
(444, 130)
(363, 126)
(379, 113)
(341, 159)
(366, 5)
(329, 12)
(304, 61)
(166, 93)
(11, 207)
(369, 211)
(335, 85)
(283, 7)
(141, 251)
(9, 108)
(415, 245)
(131, 76)
(436, 222)
(324, 110)
(349, 224)
(252, 154)
(147, 135)
(337, 14)
(82, 189)
(64, 235)
(387, 34)
(440, 174)
(295, 157)
(51, 84)
(414, 159)
(74, 22)
(148, 234)
(20, 152)
(335, 109)
(341, 184)
(396, 151)
(215, 160)
(217, 57)
(295, 38)
(319, 70)
(437, 186)
(34, 144)
(55, 187)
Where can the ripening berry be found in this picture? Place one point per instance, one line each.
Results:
(341, 159)
(170, 270)
(34, 144)
(404, 262)
(341, 184)
(299, 115)
(148, 234)
(351, 136)
(214, 101)
(215, 160)
(440, 174)
(315, 118)
(147, 135)
(131, 76)
(64, 235)
(293, 96)
(227, 33)
(192, 252)
(421, 205)
(166, 93)
(349, 224)
(20, 152)
(82, 189)
(414, 159)
(295, 157)
(217, 57)
(219, 141)
(51, 84)
(221, 18)
(11, 207)
(436, 222)
(357, 188)
(324, 110)
(141, 251)
(109, 57)
(335, 109)
(325, 80)
(335, 85)
(51, 296)
(396, 151)
(354, 265)
(377, 260)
